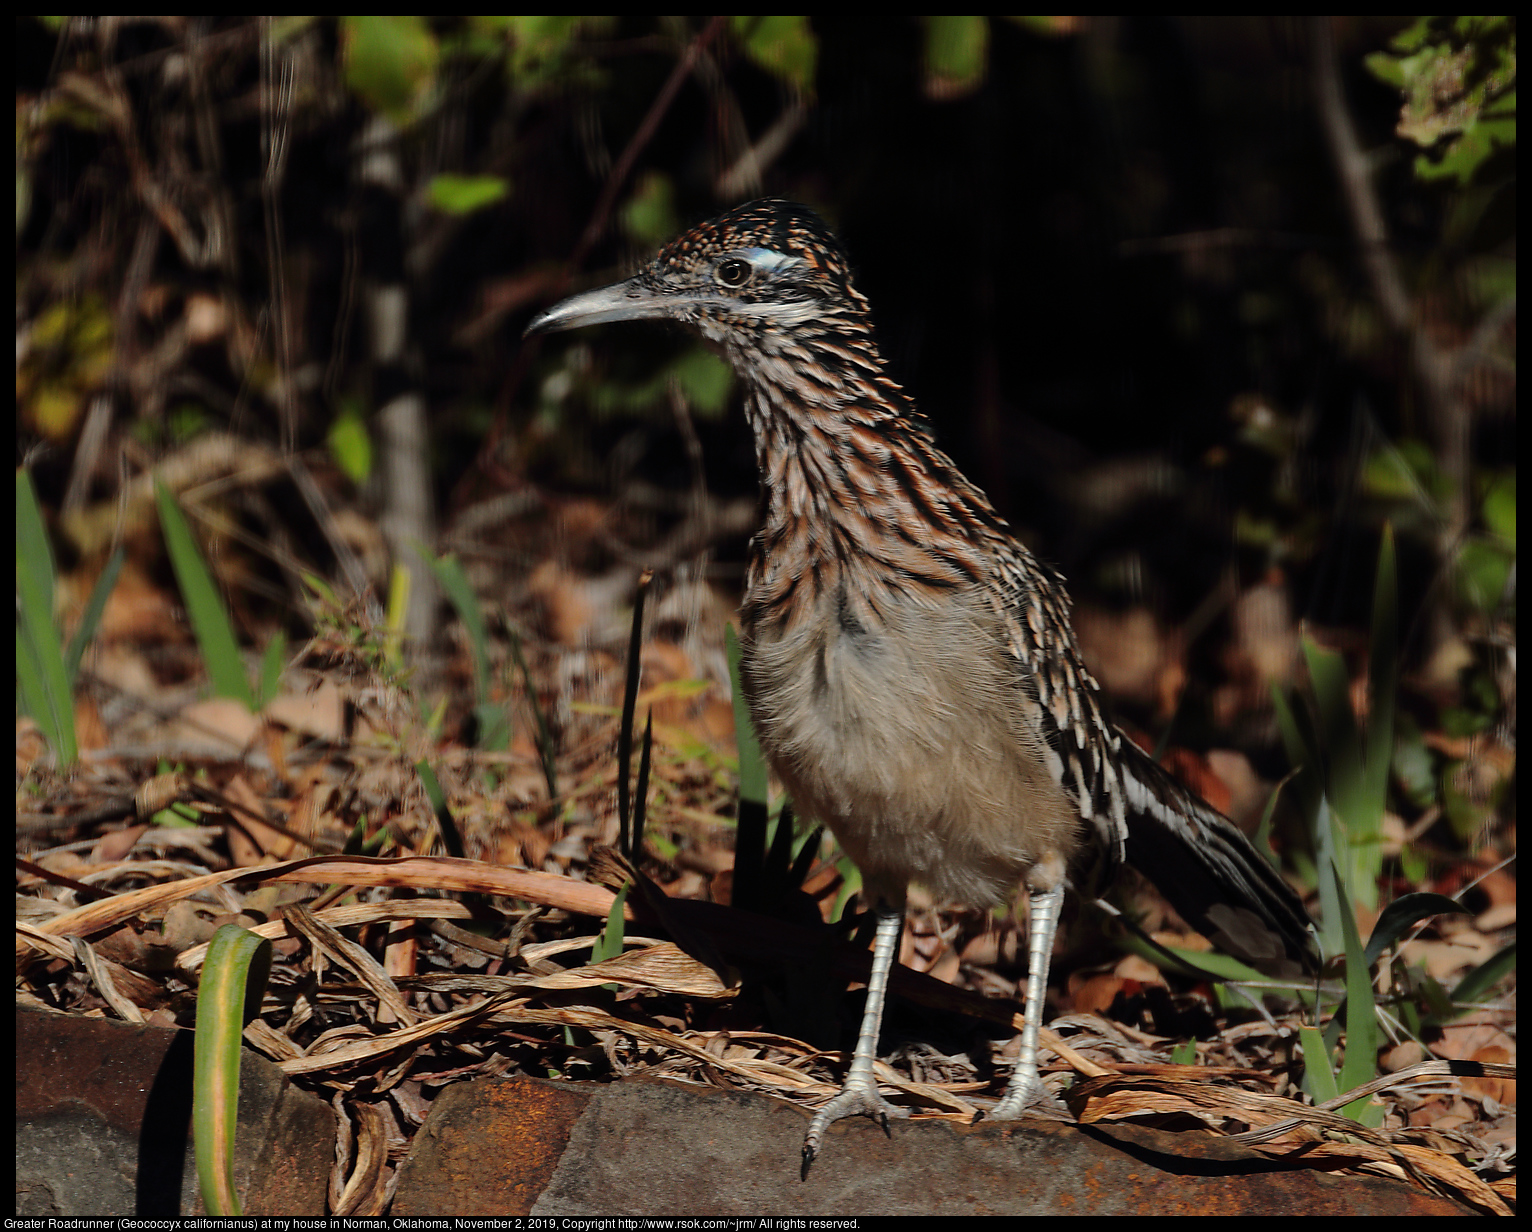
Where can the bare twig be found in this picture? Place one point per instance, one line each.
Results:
(642, 135)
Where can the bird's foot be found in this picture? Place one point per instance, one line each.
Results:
(859, 1097)
(1025, 1091)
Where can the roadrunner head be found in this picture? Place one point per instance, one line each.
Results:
(763, 272)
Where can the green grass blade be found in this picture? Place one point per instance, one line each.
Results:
(34, 553)
(39, 676)
(1401, 915)
(394, 617)
(1300, 744)
(1316, 1065)
(273, 661)
(752, 765)
(491, 720)
(90, 620)
(1336, 728)
(750, 830)
(1361, 1017)
(776, 875)
(449, 574)
(494, 727)
(1486, 975)
(1330, 837)
(228, 997)
(1382, 674)
(204, 606)
(446, 823)
(609, 943)
(807, 854)
(41, 671)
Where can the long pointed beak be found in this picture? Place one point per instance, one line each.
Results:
(622, 301)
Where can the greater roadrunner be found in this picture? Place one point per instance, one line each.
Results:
(909, 665)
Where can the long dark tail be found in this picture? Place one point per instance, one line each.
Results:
(1198, 859)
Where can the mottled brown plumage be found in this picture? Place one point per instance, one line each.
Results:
(910, 666)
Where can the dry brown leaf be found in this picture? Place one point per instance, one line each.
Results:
(365, 1186)
(428, 872)
(318, 712)
(661, 967)
(268, 842)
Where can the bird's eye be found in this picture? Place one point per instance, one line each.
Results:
(733, 273)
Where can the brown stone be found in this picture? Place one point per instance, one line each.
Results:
(525, 1146)
(103, 1116)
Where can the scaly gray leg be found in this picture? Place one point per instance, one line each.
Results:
(1026, 1085)
(859, 1097)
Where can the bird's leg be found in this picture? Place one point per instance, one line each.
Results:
(1026, 1085)
(860, 1094)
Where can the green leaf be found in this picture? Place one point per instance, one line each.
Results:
(350, 443)
(204, 606)
(1414, 865)
(1382, 684)
(1466, 815)
(754, 803)
(1316, 1065)
(1499, 508)
(1361, 1061)
(609, 943)
(394, 615)
(42, 674)
(186, 421)
(1345, 782)
(1385, 68)
(785, 46)
(1355, 766)
(1482, 573)
(452, 838)
(956, 51)
(493, 727)
(90, 621)
(450, 576)
(540, 45)
(701, 376)
(1403, 472)
(1401, 915)
(1204, 964)
(390, 62)
(1457, 81)
(649, 214)
(1485, 976)
(752, 764)
(273, 661)
(1414, 769)
(228, 998)
(706, 380)
(463, 194)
